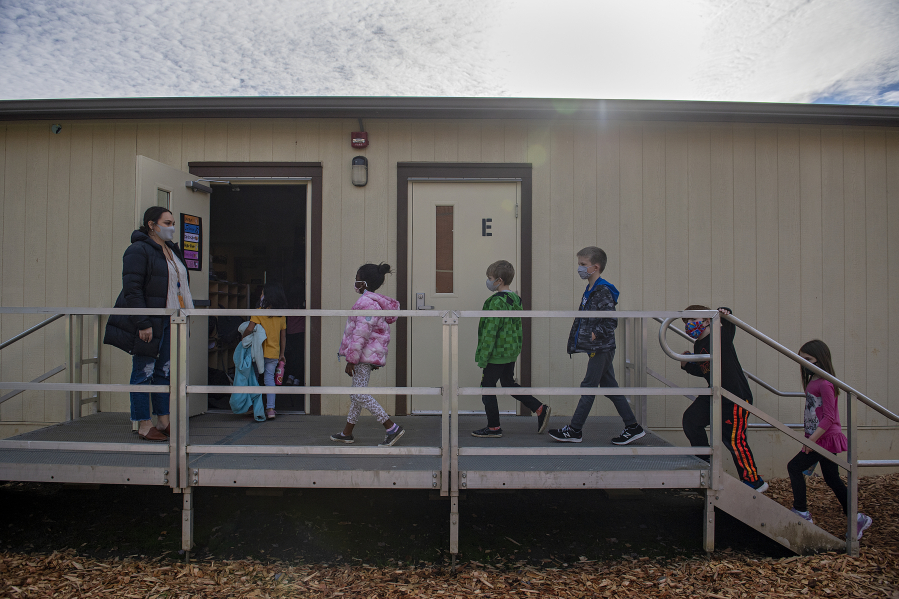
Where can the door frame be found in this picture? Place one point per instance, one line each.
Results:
(312, 171)
(449, 171)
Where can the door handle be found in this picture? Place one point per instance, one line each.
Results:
(420, 302)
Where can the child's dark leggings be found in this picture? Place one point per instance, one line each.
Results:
(831, 472)
(505, 374)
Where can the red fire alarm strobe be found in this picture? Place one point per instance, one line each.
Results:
(359, 139)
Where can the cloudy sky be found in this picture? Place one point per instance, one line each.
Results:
(839, 51)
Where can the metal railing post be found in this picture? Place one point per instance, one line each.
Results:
(626, 353)
(75, 374)
(98, 339)
(70, 368)
(852, 455)
(451, 319)
(716, 465)
(640, 330)
(187, 522)
(717, 450)
(179, 324)
(174, 413)
(445, 414)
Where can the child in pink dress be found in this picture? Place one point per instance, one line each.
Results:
(822, 425)
(364, 344)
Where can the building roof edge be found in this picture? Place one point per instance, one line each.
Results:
(444, 108)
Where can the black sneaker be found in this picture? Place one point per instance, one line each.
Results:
(629, 434)
(486, 432)
(566, 434)
(392, 438)
(341, 438)
(543, 418)
(759, 485)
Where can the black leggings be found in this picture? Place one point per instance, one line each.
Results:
(831, 472)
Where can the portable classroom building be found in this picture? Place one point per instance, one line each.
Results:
(788, 214)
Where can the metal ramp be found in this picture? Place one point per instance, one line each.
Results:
(518, 460)
(522, 459)
(53, 455)
(437, 453)
(322, 463)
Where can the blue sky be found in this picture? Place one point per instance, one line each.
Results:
(838, 51)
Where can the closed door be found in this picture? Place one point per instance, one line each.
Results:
(159, 184)
(458, 229)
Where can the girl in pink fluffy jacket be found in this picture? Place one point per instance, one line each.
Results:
(822, 425)
(364, 344)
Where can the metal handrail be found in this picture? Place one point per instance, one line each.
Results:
(663, 342)
(751, 376)
(69, 311)
(812, 367)
(27, 332)
(772, 389)
(40, 379)
(679, 332)
(73, 387)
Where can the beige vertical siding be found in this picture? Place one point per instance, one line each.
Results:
(890, 320)
(794, 227)
(13, 291)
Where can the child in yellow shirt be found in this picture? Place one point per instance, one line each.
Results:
(275, 327)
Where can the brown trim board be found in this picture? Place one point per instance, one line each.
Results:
(459, 170)
(313, 170)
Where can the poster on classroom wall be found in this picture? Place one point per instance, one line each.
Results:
(192, 241)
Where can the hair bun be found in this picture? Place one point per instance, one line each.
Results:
(384, 269)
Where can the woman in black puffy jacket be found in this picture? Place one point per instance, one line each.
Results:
(153, 276)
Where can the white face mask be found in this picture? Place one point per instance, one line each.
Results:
(166, 233)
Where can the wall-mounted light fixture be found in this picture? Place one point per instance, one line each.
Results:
(360, 171)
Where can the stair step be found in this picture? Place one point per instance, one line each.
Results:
(774, 520)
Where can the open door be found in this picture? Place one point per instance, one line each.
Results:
(162, 185)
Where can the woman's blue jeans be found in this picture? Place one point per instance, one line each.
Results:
(146, 370)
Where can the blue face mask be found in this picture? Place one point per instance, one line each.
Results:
(695, 329)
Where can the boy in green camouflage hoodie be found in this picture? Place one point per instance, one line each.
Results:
(499, 343)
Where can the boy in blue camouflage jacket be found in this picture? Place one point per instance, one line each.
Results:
(596, 338)
(499, 344)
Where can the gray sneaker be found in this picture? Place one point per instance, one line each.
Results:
(863, 523)
(392, 438)
(803, 515)
(341, 438)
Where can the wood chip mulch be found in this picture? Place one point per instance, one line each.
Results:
(724, 574)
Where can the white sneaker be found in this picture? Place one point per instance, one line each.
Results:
(864, 522)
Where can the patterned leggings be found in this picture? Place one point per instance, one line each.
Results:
(360, 379)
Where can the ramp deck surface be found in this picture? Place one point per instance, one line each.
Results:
(405, 471)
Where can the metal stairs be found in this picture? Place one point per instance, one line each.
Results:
(771, 518)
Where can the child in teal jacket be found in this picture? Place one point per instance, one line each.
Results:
(499, 344)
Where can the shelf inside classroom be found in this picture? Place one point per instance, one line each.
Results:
(231, 296)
